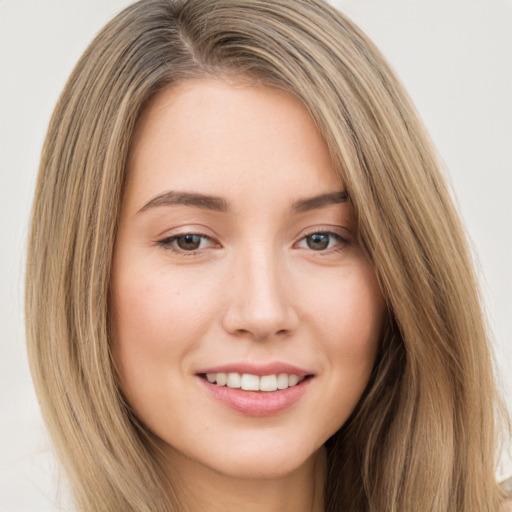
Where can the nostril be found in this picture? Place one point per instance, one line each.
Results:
(259, 319)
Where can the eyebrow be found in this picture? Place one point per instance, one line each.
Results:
(218, 204)
(195, 199)
(316, 202)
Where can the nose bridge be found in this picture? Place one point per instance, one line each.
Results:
(260, 303)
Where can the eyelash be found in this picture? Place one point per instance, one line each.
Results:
(342, 242)
(168, 243)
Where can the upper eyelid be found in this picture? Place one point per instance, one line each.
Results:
(186, 230)
(172, 238)
(339, 231)
(179, 235)
(168, 244)
(340, 238)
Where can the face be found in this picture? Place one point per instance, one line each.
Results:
(246, 316)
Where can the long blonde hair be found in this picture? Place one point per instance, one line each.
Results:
(423, 436)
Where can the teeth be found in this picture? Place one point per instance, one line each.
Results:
(293, 380)
(268, 383)
(233, 380)
(249, 382)
(221, 379)
(283, 381)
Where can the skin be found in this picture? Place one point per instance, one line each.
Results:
(252, 290)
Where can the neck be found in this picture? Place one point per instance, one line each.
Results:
(202, 488)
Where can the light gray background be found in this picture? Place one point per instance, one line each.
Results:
(455, 58)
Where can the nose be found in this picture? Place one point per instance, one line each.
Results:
(260, 303)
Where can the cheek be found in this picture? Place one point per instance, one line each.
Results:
(153, 303)
(349, 311)
(360, 321)
(348, 315)
(157, 322)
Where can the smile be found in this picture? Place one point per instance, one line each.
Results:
(250, 382)
(256, 390)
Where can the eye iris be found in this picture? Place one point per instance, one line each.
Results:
(189, 242)
(318, 241)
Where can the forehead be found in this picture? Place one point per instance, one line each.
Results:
(221, 137)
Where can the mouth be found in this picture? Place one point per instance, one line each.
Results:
(251, 382)
(256, 393)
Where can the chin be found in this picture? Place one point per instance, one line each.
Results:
(264, 462)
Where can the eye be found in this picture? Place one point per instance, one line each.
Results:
(322, 241)
(188, 242)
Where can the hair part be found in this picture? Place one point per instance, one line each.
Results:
(423, 436)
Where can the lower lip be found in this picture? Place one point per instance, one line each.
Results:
(257, 403)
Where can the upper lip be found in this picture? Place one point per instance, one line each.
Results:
(274, 368)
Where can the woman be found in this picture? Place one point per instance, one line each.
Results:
(261, 296)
